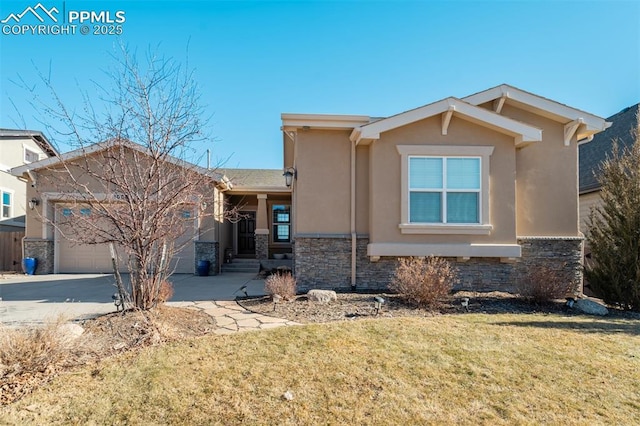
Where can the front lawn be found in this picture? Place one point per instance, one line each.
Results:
(463, 369)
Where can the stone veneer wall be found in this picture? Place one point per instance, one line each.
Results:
(323, 263)
(557, 253)
(207, 250)
(326, 263)
(42, 250)
(262, 246)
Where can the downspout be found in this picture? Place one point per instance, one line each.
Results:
(353, 215)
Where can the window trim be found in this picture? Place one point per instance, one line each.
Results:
(454, 151)
(273, 223)
(26, 148)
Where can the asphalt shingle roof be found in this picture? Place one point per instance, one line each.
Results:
(592, 154)
(253, 178)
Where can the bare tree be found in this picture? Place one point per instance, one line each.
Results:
(129, 177)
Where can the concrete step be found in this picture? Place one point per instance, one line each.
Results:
(241, 265)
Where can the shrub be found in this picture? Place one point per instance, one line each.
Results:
(283, 285)
(543, 284)
(423, 281)
(29, 356)
(165, 293)
(613, 229)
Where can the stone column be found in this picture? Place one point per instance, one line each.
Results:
(207, 250)
(262, 228)
(42, 250)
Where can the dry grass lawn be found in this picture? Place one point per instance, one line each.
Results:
(462, 369)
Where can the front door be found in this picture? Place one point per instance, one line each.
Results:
(246, 234)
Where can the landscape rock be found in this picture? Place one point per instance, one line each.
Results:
(288, 395)
(70, 331)
(590, 307)
(322, 296)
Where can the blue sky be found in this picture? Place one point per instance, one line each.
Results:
(256, 60)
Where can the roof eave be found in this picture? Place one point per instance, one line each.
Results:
(39, 137)
(523, 133)
(322, 121)
(551, 109)
(21, 171)
(259, 189)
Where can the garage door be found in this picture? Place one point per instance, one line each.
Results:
(96, 258)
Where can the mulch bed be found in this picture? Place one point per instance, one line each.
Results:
(350, 306)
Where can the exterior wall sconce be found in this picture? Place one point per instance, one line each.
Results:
(33, 203)
(289, 175)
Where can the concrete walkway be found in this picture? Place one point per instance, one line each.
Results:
(40, 299)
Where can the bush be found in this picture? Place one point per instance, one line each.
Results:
(165, 293)
(613, 230)
(543, 284)
(423, 281)
(29, 356)
(283, 285)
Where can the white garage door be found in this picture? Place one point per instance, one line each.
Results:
(96, 258)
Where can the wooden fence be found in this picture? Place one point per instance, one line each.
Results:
(11, 251)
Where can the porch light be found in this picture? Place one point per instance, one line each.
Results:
(33, 203)
(289, 174)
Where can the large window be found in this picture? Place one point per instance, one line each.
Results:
(6, 204)
(444, 190)
(281, 214)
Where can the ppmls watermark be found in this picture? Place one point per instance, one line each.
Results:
(41, 20)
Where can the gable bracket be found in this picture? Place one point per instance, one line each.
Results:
(446, 119)
(499, 103)
(291, 134)
(570, 129)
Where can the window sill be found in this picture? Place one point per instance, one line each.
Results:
(448, 229)
(503, 251)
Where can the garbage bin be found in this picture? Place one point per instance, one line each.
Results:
(203, 268)
(29, 265)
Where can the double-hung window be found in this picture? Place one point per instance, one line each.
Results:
(444, 189)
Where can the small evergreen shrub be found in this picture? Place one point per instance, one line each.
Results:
(543, 284)
(613, 229)
(423, 281)
(283, 285)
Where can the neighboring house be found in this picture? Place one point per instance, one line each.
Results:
(18, 147)
(593, 154)
(489, 181)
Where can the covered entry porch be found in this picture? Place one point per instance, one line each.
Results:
(262, 229)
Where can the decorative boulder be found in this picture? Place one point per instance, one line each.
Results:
(590, 307)
(70, 331)
(322, 296)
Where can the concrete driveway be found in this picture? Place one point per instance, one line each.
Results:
(38, 299)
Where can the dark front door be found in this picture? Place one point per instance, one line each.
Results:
(246, 234)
